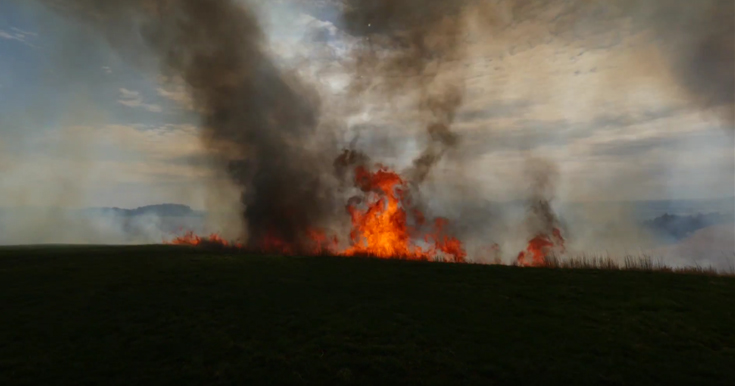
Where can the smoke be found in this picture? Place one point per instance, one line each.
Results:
(260, 122)
(443, 108)
(696, 38)
(90, 226)
(415, 48)
(409, 43)
(542, 176)
(699, 40)
(255, 117)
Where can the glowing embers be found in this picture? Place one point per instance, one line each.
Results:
(214, 239)
(317, 243)
(540, 248)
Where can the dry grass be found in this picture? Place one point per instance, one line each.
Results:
(644, 263)
(641, 263)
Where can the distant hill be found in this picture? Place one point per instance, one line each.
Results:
(711, 246)
(162, 210)
(680, 227)
(649, 209)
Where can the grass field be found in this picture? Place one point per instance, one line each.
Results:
(177, 316)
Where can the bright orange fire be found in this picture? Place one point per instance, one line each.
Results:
(379, 229)
(382, 230)
(539, 248)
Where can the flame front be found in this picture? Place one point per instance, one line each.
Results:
(540, 248)
(382, 230)
(191, 239)
(379, 229)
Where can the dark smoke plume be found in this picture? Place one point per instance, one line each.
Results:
(443, 108)
(405, 47)
(541, 176)
(701, 46)
(260, 114)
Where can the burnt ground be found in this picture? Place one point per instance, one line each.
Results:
(170, 315)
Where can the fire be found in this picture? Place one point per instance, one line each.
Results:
(273, 244)
(382, 230)
(540, 248)
(191, 239)
(322, 244)
(379, 229)
(384, 225)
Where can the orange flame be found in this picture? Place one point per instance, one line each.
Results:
(379, 230)
(382, 229)
(540, 248)
(191, 239)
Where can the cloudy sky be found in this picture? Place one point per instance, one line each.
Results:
(80, 126)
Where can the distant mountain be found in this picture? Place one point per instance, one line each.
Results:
(711, 246)
(161, 210)
(680, 227)
(653, 208)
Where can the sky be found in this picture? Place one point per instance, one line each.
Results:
(81, 126)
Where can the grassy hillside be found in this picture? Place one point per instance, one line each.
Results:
(166, 315)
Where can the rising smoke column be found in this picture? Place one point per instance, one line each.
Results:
(541, 222)
(413, 49)
(255, 118)
(406, 46)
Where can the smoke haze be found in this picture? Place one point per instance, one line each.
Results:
(464, 96)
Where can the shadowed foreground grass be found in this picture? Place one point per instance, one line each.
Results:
(177, 316)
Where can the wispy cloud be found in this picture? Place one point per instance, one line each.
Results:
(133, 99)
(177, 94)
(18, 35)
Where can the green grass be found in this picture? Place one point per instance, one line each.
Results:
(177, 316)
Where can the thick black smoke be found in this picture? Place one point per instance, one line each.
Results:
(259, 114)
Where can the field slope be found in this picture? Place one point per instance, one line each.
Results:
(173, 316)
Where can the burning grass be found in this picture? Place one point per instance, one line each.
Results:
(172, 315)
(383, 226)
(532, 257)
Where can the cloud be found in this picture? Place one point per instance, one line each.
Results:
(497, 109)
(106, 158)
(18, 35)
(629, 147)
(316, 30)
(133, 99)
(178, 94)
